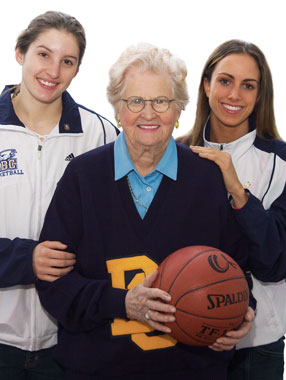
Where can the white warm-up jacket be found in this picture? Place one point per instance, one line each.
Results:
(30, 167)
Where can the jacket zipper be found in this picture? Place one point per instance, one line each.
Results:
(38, 195)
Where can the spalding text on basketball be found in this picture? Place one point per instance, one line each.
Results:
(219, 300)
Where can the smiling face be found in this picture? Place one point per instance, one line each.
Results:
(232, 93)
(49, 65)
(147, 129)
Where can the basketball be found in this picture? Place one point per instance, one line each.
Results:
(209, 291)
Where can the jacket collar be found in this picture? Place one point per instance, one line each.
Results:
(70, 121)
(236, 148)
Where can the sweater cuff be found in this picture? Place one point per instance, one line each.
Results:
(112, 303)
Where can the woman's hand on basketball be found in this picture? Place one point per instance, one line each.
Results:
(233, 337)
(224, 162)
(147, 304)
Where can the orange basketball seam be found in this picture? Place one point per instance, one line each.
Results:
(187, 263)
(206, 317)
(162, 270)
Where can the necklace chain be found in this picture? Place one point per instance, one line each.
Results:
(134, 196)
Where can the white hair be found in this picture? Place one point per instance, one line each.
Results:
(146, 57)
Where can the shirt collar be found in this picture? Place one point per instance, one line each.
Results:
(168, 165)
(70, 121)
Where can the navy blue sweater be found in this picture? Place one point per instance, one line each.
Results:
(96, 217)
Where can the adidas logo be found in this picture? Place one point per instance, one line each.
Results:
(69, 157)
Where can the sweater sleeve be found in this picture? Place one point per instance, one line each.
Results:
(266, 231)
(16, 262)
(78, 302)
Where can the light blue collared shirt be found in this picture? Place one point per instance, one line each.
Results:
(144, 188)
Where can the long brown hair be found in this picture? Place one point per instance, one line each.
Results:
(264, 109)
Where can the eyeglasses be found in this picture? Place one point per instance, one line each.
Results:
(137, 104)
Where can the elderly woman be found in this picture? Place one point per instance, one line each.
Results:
(123, 209)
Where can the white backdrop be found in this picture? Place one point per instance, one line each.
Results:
(190, 29)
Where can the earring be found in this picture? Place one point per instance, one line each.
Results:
(119, 124)
(177, 124)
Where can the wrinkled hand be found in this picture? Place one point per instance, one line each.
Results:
(231, 338)
(144, 301)
(224, 162)
(50, 262)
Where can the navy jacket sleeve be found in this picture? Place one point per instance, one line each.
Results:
(78, 303)
(16, 262)
(266, 231)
